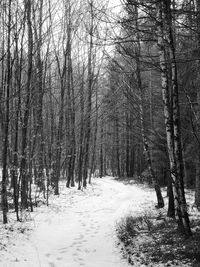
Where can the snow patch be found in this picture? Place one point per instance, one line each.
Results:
(76, 229)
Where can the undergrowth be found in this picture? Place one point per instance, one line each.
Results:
(152, 240)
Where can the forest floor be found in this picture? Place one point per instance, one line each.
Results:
(150, 238)
(78, 228)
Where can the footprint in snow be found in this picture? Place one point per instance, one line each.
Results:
(79, 238)
(74, 244)
(64, 251)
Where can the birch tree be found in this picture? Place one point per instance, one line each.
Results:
(172, 111)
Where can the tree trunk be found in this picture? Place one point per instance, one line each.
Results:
(39, 97)
(18, 74)
(116, 129)
(197, 180)
(172, 113)
(4, 200)
(71, 106)
(127, 145)
(93, 163)
(59, 134)
(81, 138)
(176, 125)
(101, 172)
(23, 166)
(160, 201)
(171, 208)
(89, 98)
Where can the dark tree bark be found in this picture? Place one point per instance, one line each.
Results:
(160, 201)
(4, 200)
(39, 93)
(101, 161)
(94, 160)
(71, 106)
(197, 180)
(23, 165)
(81, 137)
(89, 97)
(171, 207)
(17, 103)
(127, 145)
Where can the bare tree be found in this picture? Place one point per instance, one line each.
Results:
(172, 112)
(7, 119)
(25, 123)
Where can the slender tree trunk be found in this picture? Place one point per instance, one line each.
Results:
(116, 129)
(18, 73)
(93, 163)
(39, 97)
(71, 106)
(160, 201)
(6, 123)
(127, 145)
(59, 144)
(59, 134)
(2, 113)
(101, 173)
(89, 98)
(132, 167)
(23, 166)
(81, 138)
(197, 180)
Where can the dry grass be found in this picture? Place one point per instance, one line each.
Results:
(151, 240)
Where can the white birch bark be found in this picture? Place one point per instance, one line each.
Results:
(172, 112)
(144, 138)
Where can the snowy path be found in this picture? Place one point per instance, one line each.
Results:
(78, 229)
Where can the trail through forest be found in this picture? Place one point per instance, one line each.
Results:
(78, 227)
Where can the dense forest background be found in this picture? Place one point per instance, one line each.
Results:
(85, 92)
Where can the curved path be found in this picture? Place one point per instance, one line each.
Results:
(78, 228)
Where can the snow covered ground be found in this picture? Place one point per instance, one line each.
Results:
(77, 229)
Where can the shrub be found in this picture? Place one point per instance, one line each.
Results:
(129, 227)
